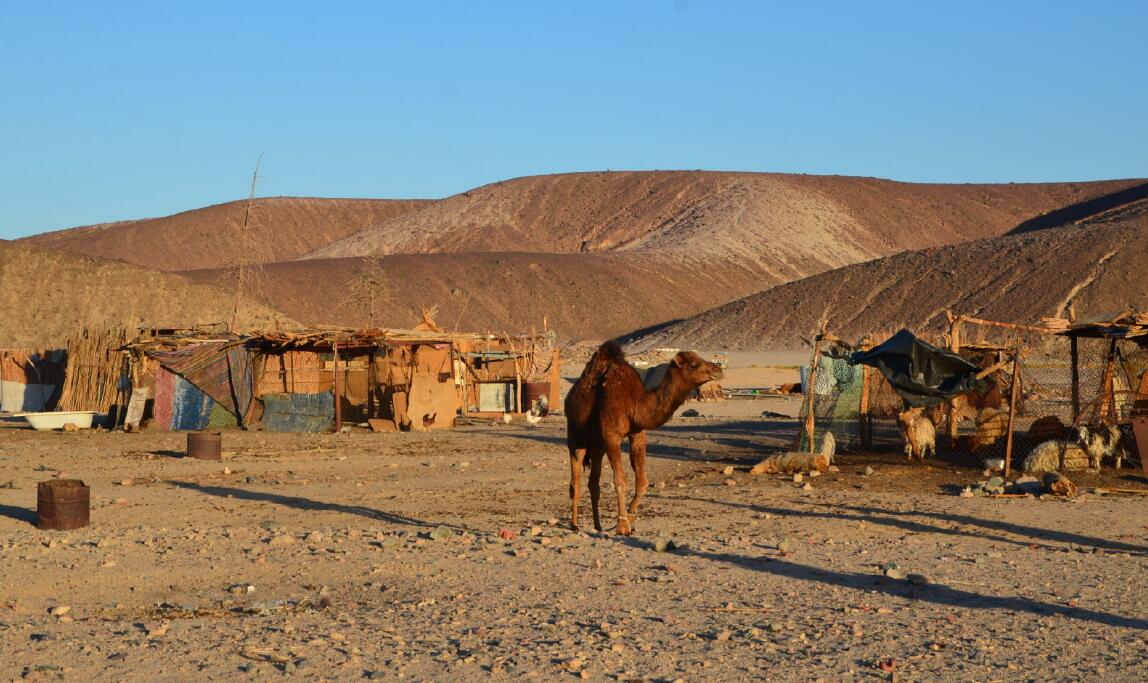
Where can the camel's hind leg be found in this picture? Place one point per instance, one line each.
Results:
(596, 485)
(577, 455)
(638, 462)
(614, 451)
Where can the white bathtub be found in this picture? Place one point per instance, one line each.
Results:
(81, 418)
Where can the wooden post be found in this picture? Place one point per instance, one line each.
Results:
(955, 347)
(371, 383)
(1014, 394)
(1075, 380)
(865, 428)
(517, 384)
(1107, 393)
(555, 379)
(335, 389)
(458, 380)
(810, 424)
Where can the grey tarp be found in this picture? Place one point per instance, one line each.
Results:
(923, 374)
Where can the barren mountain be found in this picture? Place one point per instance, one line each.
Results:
(1096, 264)
(278, 229)
(782, 227)
(47, 295)
(588, 296)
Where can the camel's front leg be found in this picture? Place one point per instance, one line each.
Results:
(614, 451)
(577, 455)
(638, 462)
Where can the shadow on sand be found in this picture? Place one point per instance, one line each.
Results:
(19, 514)
(917, 521)
(935, 593)
(300, 503)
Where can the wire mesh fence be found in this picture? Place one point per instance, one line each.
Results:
(1108, 385)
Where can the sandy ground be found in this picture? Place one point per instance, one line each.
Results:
(379, 556)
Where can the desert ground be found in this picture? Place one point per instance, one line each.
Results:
(428, 556)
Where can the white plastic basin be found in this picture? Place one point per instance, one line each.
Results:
(81, 418)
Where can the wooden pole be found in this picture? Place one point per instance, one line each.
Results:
(955, 347)
(555, 378)
(1075, 380)
(1014, 395)
(371, 383)
(1008, 326)
(517, 380)
(866, 426)
(1107, 394)
(338, 403)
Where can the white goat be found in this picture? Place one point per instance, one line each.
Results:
(1092, 445)
(919, 433)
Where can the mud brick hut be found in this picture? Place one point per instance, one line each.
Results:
(323, 379)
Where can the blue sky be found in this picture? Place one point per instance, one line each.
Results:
(118, 110)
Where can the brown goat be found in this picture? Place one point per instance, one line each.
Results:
(609, 403)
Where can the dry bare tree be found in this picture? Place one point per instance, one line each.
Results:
(250, 278)
(370, 289)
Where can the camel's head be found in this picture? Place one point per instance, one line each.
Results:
(695, 370)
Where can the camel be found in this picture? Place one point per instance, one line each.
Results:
(609, 403)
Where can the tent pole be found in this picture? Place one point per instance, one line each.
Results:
(1014, 394)
(866, 426)
(955, 347)
(1075, 380)
(335, 388)
(1107, 388)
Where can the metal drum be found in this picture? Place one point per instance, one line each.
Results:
(205, 445)
(63, 504)
(532, 391)
(1140, 431)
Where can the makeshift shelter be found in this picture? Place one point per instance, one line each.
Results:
(30, 381)
(997, 391)
(317, 380)
(1121, 394)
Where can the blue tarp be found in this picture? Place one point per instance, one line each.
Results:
(298, 412)
(190, 407)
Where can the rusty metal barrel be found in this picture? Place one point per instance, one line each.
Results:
(205, 445)
(63, 504)
(532, 391)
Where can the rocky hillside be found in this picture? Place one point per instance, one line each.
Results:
(1095, 264)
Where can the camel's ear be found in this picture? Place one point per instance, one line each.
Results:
(677, 360)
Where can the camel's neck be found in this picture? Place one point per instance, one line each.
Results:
(658, 406)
